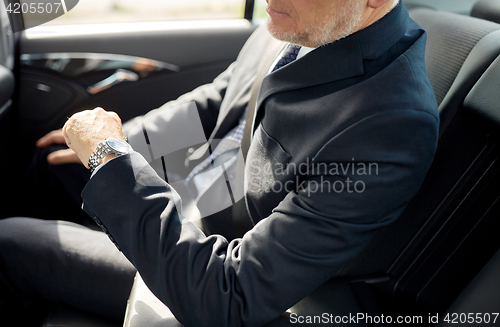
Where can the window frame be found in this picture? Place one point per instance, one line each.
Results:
(249, 7)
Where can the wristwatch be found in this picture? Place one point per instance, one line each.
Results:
(109, 146)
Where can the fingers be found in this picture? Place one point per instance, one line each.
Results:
(54, 137)
(63, 157)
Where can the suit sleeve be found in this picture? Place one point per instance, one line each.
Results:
(208, 281)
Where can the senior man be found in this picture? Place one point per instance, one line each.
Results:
(355, 95)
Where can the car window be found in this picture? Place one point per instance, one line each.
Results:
(259, 12)
(120, 11)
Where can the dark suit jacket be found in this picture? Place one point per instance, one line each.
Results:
(364, 101)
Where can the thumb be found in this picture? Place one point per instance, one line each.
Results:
(63, 157)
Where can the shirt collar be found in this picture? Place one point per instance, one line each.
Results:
(303, 51)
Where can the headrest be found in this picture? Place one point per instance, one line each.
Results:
(487, 9)
(451, 38)
(484, 98)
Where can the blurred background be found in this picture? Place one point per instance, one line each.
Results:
(119, 11)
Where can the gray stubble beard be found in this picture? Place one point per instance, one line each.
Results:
(326, 30)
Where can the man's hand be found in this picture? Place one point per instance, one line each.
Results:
(61, 156)
(84, 130)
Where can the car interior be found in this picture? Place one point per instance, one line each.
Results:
(440, 257)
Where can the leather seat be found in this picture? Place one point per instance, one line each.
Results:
(487, 9)
(336, 298)
(144, 308)
(423, 261)
(480, 296)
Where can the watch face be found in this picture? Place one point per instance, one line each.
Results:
(118, 145)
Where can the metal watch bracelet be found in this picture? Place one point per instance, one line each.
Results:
(100, 152)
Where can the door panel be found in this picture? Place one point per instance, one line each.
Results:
(177, 42)
(47, 96)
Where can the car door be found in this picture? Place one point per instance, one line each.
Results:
(126, 67)
(6, 85)
(66, 70)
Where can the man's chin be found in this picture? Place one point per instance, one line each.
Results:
(284, 35)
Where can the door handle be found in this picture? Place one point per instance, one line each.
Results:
(121, 75)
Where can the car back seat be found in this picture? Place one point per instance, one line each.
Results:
(459, 49)
(423, 261)
(482, 294)
(415, 265)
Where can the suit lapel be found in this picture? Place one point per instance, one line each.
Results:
(334, 62)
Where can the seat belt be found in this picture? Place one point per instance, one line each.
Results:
(242, 222)
(268, 58)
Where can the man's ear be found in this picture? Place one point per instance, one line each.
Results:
(377, 3)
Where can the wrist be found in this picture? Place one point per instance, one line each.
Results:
(107, 158)
(107, 150)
